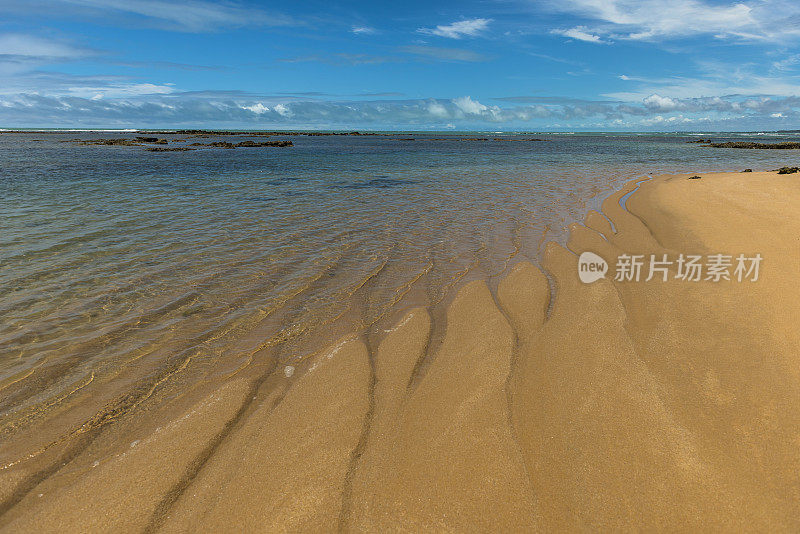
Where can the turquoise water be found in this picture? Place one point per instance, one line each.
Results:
(114, 258)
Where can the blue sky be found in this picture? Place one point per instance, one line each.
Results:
(486, 64)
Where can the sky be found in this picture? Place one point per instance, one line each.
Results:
(534, 65)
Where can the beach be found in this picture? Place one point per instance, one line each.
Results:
(536, 402)
(324, 267)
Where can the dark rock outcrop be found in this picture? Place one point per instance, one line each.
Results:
(249, 144)
(111, 142)
(209, 133)
(789, 145)
(137, 141)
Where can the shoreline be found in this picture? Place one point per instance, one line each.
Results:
(515, 422)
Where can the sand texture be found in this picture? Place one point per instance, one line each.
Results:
(545, 405)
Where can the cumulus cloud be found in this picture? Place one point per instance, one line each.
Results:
(457, 30)
(282, 110)
(661, 103)
(258, 108)
(437, 110)
(467, 105)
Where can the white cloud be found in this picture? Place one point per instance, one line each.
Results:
(469, 106)
(29, 46)
(787, 63)
(282, 110)
(437, 110)
(21, 53)
(457, 30)
(580, 33)
(181, 15)
(667, 19)
(365, 30)
(258, 108)
(661, 103)
(708, 85)
(220, 109)
(118, 90)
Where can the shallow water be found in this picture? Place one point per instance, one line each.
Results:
(112, 257)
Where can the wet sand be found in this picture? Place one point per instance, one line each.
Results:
(547, 404)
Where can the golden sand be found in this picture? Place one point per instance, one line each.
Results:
(616, 405)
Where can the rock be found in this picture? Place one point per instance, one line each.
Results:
(523, 139)
(788, 170)
(249, 144)
(208, 133)
(748, 170)
(123, 141)
(695, 177)
(789, 145)
(170, 149)
(111, 142)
